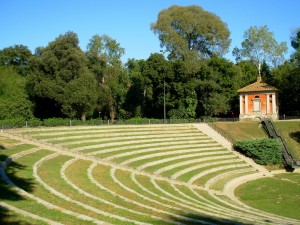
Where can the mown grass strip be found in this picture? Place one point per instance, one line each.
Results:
(117, 137)
(133, 141)
(77, 173)
(163, 161)
(125, 148)
(162, 152)
(75, 131)
(185, 172)
(201, 178)
(279, 195)
(71, 196)
(183, 162)
(7, 152)
(224, 178)
(9, 217)
(182, 215)
(195, 210)
(22, 176)
(132, 194)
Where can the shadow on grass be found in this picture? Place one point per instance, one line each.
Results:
(2, 147)
(7, 193)
(295, 136)
(201, 219)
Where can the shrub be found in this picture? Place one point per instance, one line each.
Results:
(263, 151)
(34, 122)
(54, 122)
(12, 123)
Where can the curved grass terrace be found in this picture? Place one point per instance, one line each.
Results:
(142, 174)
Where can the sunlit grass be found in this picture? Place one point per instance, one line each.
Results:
(291, 133)
(77, 172)
(241, 130)
(129, 195)
(49, 171)
(279, 195)
(20, 172)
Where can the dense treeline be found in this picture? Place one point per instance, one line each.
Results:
(190, 77)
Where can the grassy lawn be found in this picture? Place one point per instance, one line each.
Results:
(279, 195)
(121, 195)
(290, 130)
(235, 131)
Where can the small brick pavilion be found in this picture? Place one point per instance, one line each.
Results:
(258, 100)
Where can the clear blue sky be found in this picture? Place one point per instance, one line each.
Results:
(35, 23)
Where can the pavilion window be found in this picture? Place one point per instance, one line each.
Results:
(256, 105)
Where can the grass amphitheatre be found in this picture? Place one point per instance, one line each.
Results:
(139, 174)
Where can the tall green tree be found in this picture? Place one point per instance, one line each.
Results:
(17, 57)
(287, 80)
(295, 43)
(61, 82)
(14, 100)
(260, 46)
(182, 99)
(295, 39)
(158, 73)
(190, 32)
(104, 56)
(248, 72)
(113, 95)
(104, 60)
(135, 97)
(218, 81)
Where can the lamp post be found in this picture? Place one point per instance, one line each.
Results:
(164, 101)
(163, 52)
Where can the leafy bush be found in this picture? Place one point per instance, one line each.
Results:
(139, 120)
(54, 122)
(34, 122)
(12, 123)
(263, 151)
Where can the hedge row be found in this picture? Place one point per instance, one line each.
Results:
(263, 151)
(54, 122)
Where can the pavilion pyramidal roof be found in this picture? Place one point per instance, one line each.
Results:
(258, 86)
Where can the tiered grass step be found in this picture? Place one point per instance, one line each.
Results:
(156, 174)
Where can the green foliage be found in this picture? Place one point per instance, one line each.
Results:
(216, 86)
(295, 39)
(260, 46)
(157, 72)
(287, 80)
(17, 57)
(54, 122)
(14, 100)
(103, 54)
(263, 151)
(20, 122)
(278, 195)
(190, 32)
(64, 82)
(61, 80)
(12, 123)
(104, 60)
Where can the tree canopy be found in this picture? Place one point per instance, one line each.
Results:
(14, 99)
(194, 81)
(260, 46)
(191, 32)
(60, 81)
(16, 56)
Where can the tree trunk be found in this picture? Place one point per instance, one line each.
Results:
(112, 113)
(83, 117)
